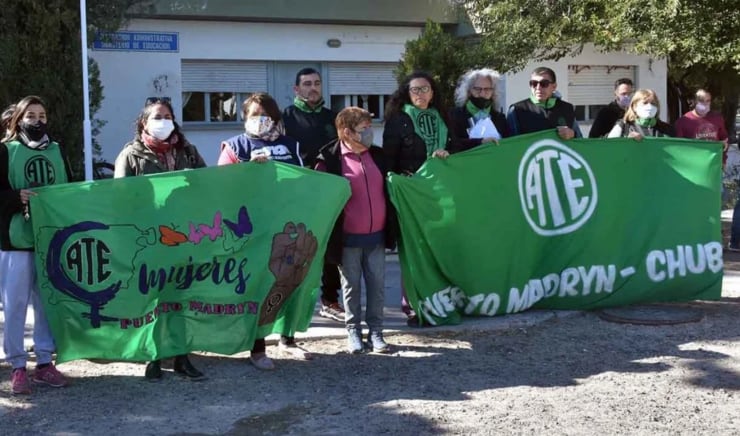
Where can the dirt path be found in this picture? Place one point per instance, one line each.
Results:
(574, 375)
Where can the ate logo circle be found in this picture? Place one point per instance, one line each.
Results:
(39, 171)
(557, 188)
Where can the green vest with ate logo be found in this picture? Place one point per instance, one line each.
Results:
(29, 168)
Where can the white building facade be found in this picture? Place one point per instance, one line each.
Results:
(209, 66)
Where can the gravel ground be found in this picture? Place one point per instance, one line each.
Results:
(572, 375)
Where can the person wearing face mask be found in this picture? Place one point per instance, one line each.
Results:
(703, 123)
(310, 123)
(614, 111)
(364, 229)
(475, 98)
(263, 139)
(544, 109)
(28, 159)
(415, 130)
(641, 118)
(159, 146)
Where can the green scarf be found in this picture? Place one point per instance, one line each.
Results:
(303, 106)
(477, 112)
(548, 104)
(646, 122)
(430, 126)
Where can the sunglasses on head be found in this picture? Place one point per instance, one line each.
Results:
(544, 83)
(156, 100)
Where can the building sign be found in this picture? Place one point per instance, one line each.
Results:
(137, 41)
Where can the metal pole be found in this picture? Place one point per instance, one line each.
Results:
(86, 125)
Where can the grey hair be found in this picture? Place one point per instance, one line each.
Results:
(467, 80)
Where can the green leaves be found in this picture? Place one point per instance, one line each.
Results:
(41, 55)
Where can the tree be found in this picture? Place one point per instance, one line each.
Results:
(699, 39)
(41, 52)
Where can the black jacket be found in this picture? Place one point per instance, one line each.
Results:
(605, 120)
(459, 125)
(331, 156)
(312, 130)
(531, 118)
(405, 151)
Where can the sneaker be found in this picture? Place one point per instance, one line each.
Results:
(262, 362)
(295, 351)
(354, 341)
(332, 311)
(49, 375)
(377, 343)
(19, 383)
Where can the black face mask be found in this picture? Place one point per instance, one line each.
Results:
(33, 131)
(481, 102)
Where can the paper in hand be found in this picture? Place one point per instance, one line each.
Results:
(484, 129)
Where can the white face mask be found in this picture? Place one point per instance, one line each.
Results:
(702, 109)
(160, 129)
(645, 111)
(258, 126)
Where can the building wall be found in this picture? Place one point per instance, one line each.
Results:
(130, 77)
(650, 73)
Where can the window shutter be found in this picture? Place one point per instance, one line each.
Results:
(223, 76)
(594, 84)
(361, 78)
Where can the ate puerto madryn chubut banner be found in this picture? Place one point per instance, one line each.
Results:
(537, 222)
(203, 260)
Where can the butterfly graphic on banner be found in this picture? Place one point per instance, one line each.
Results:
(171, 237)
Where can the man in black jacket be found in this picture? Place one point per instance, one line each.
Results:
(614, 112)
(543, 110)
(312, 125)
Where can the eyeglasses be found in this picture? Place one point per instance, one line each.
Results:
(156, 100)
(544, 83)
(481, 90)
(420, 89)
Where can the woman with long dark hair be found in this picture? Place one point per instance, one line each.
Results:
(415, 130)
(159, 146)
(28, 159)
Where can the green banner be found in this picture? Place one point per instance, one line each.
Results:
(582, 224)
(206, 260)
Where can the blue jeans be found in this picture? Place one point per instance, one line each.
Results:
(370, 263)
(18, 288)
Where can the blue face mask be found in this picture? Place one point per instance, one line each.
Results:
(624, 101)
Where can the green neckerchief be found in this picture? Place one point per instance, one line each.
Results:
(646, 122)
(430, 126)
(475, 110)
(548, 104)
(304, 107)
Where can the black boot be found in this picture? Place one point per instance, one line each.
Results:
(153, 370)
(184, 367)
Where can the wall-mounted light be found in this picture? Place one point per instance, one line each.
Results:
(334, 43)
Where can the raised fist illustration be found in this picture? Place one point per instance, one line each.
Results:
(293, 251)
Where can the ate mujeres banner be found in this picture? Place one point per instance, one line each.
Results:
(537, 222)
(206, 260)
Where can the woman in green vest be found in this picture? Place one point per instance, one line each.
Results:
(28, 159)
(159, 147)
